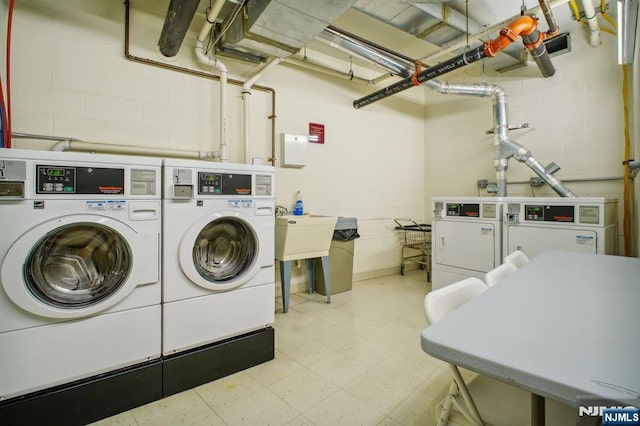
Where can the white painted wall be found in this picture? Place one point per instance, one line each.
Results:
(70, 78)
(575, 120)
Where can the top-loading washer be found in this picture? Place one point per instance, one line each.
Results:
(218, 252)
(466, 238)
(79, 266)
(584, 224)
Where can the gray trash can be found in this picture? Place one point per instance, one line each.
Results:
(340, 257)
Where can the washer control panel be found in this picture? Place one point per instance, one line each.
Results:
(549, 213)
(210, 183)
(574, 211)
(463, 209)
(79, 180)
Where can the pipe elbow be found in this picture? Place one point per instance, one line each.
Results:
(205, 60)
(61, 146)
(524, 25)
(208, 154)
(521, 26)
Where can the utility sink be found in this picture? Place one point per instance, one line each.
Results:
(303, 237)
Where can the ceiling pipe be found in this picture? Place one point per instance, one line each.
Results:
(342, 40)
(548, 16)
(504, 148)
(211, 17)
(74, 144)
(176, 24)
(216, 63)
(524, 26)
(592, 21)
(330, 71)
(486, 33)
(196, 73)
(246, 104)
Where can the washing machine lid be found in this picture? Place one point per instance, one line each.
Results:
(72, 267)
(220, 252)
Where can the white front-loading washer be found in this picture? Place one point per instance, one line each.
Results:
(218, 252)
(80, 283)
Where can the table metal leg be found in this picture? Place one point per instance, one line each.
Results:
(537, 410)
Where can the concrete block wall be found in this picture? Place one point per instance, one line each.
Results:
(70, 78)
(575, 120)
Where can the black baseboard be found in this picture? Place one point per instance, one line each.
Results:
(195, 367)
(88, 400)
(95, 398)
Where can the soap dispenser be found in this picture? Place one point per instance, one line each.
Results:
(298, 208)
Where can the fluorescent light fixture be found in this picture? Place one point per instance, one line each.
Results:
(627, 27)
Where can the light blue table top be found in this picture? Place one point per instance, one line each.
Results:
(566, 325)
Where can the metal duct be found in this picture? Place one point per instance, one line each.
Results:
(504, 148)
(278, 27)
(176, 23)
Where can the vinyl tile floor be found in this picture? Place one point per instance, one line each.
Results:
(356, 361)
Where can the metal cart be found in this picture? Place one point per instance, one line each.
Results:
(415, 239)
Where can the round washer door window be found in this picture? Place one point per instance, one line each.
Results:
(224, 249)
(78, 265)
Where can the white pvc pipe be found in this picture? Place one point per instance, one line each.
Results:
(76, 145)
(594, 27)
(224, 153)
(212, 15)
(246, 92)
(215, 62)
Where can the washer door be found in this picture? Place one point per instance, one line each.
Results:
(71, 267)
(220, 252)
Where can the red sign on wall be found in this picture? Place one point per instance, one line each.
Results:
(316, 132)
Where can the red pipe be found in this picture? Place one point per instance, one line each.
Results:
(7, 129)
